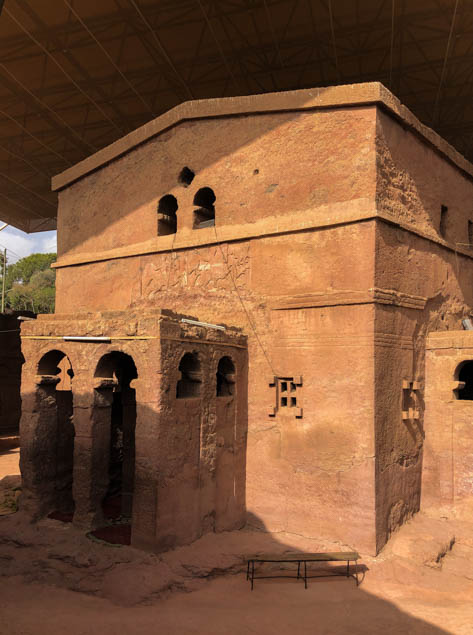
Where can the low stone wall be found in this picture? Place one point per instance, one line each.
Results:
(11, 361)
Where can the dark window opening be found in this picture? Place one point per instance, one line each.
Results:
(470, 234)
(121, 398)
(293, 386)
(204, 215)
(293, 402)
(443, 220)
(167, 216)
(465, 376)
(186, 177)
(283, 402)
(57, 411)
(225, 377)
(283, 386)
(188, 385)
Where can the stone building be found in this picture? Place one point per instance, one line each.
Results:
(327, 225)
(10, 373)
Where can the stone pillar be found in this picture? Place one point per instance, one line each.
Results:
(128, 468)
(38, 448)
(91, 455)
(146, 464)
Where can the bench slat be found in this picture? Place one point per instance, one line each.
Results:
(330, 556)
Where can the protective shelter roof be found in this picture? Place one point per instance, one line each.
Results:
(77, 76)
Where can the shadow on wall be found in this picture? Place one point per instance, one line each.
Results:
(194, 147)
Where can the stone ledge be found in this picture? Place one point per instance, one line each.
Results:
(344, 296)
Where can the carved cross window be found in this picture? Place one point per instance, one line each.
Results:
(287, 395)
(410, 399)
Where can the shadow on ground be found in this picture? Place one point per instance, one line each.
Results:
(56, 580)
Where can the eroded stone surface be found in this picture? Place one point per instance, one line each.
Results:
(341, 239)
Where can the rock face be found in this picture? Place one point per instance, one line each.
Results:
(151, 421)
(333, 229)
(448, 456)
(10, 374)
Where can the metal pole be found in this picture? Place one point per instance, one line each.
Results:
(3, 278)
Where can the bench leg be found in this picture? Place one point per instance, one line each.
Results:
(298, 570)
(248, 570)
(305, 573)
(348, 568)
(252, 573)
(356, 572)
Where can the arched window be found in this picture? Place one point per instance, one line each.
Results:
(57, 363)
(225, 377)
(56, 434)
(188, 385)
(167, 216)
(117, 365)
(465, 379)
(204, 215)
(117, 409)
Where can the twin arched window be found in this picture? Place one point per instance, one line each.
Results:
(204, 207)
(189, 384)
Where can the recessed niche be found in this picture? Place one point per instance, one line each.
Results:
(167, 216)
(465, 377)
(204, 215)
(225, 377)
(186, 177)
(188, 385)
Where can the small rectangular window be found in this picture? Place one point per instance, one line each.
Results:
(443, 221)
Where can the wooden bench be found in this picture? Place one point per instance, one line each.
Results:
(333, 556)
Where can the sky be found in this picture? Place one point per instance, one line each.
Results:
(19, 244)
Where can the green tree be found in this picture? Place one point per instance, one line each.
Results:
(30, 284)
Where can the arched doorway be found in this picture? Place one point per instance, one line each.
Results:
(55, 434)
(117, 370)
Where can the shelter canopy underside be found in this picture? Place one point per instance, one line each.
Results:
(75, 77)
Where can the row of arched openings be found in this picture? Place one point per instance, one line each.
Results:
(117, 410)
(114, 372)
(189, 384)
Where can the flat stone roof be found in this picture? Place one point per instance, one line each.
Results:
(352, 95)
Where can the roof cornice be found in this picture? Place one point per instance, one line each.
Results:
(346, 96)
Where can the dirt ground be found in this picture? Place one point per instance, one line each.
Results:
(55, 580)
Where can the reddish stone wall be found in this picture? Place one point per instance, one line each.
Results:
(327, 456)
(326, 251)
(448, 455)
(260, 167)
(433, 280)
(10, 374)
